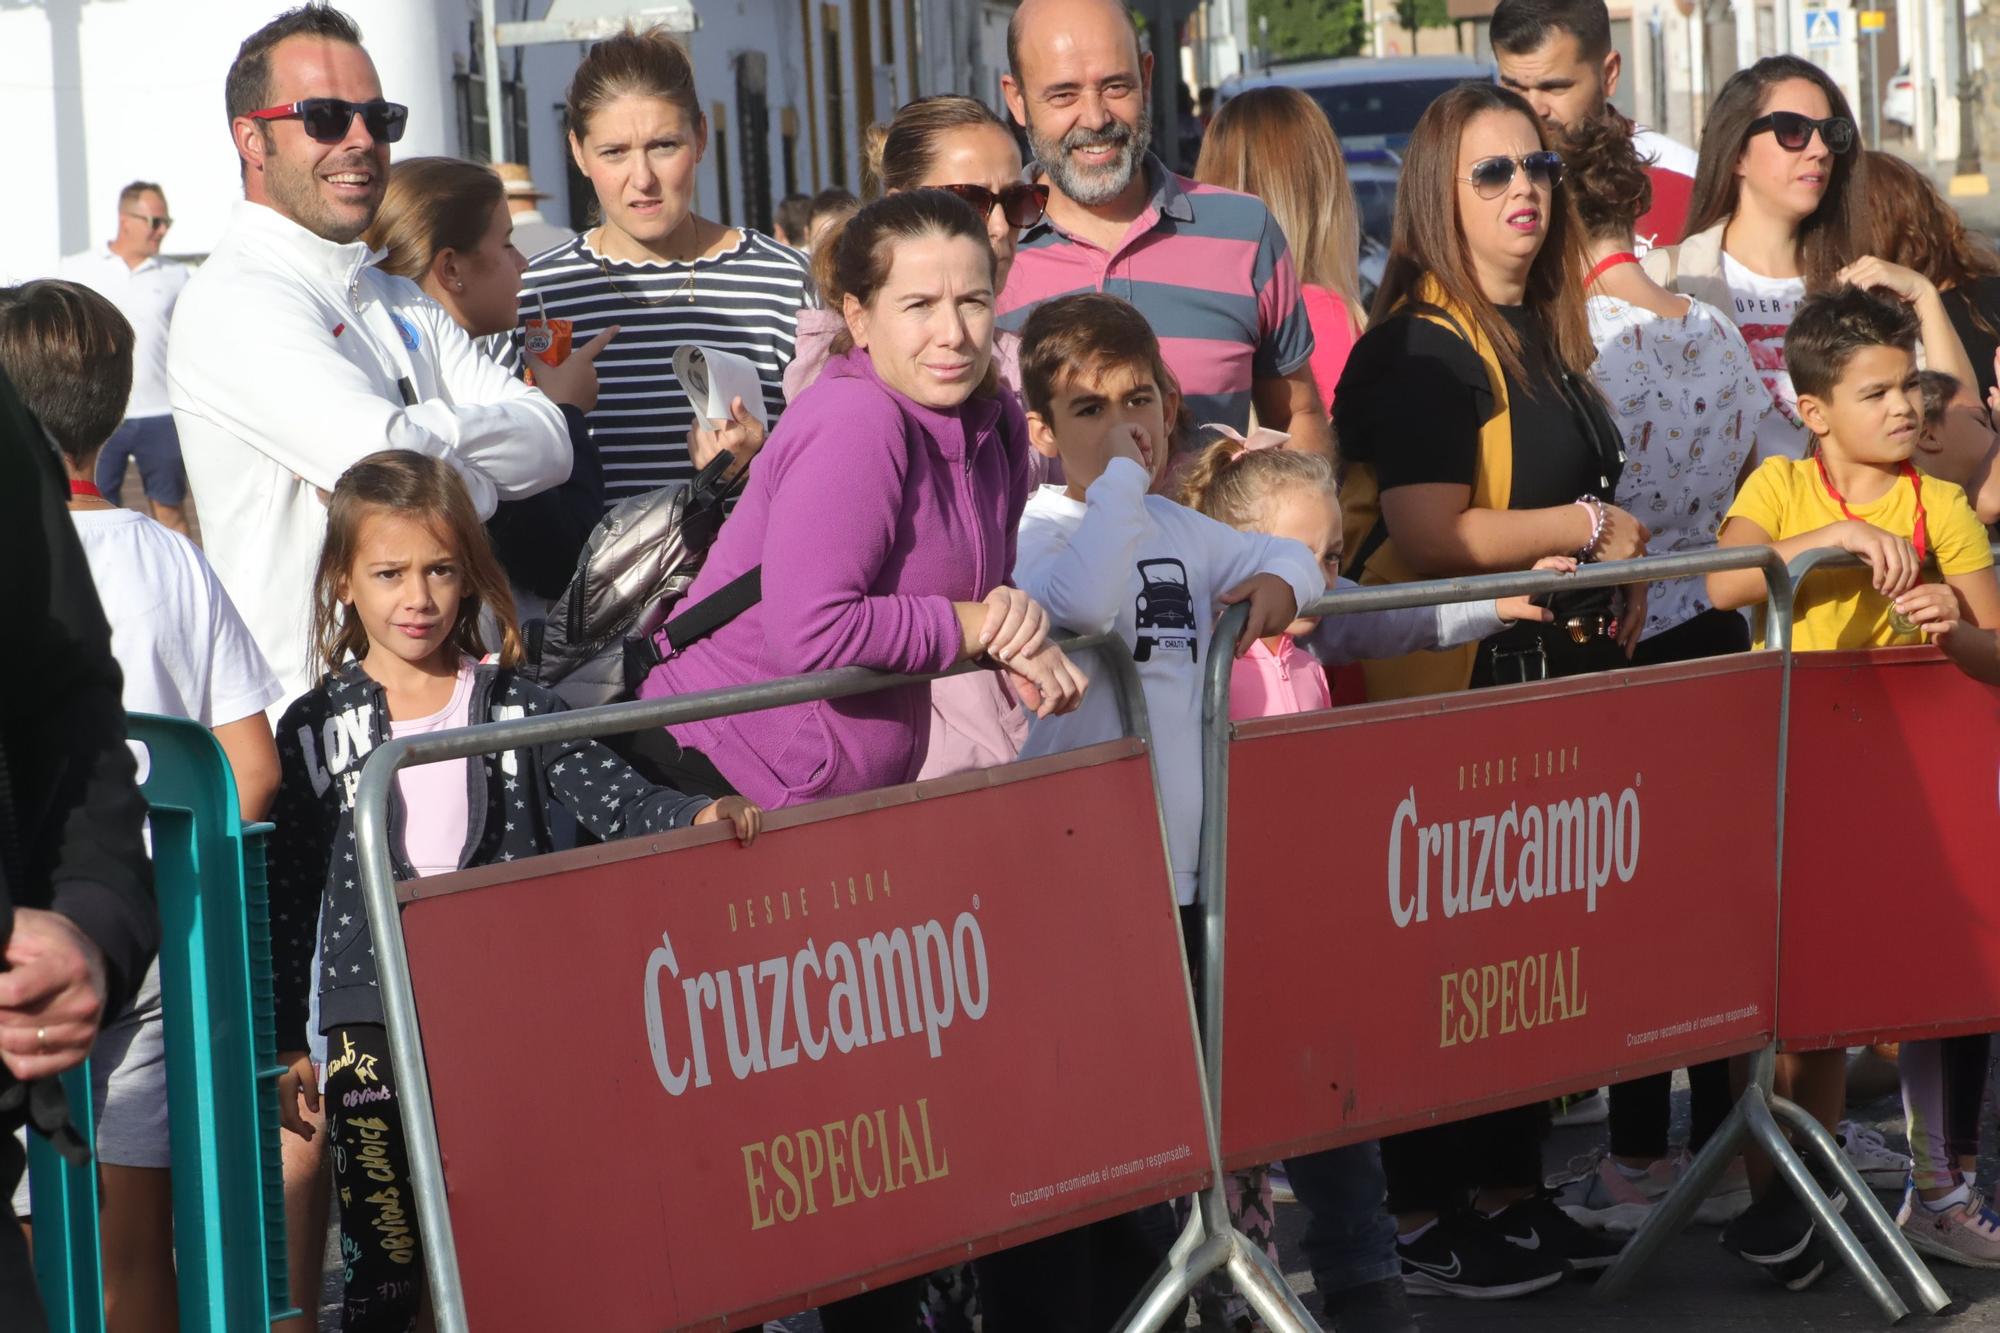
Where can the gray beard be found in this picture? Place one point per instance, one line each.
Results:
(1092, 187)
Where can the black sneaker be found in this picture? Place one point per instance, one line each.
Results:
(1538, 1223)
(1775, 1229)
(1372, 1307)
(1799, 1273)
(1464, 1255)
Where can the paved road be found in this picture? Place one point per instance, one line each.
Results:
(1693, 1288)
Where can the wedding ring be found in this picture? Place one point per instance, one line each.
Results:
(41, 1039)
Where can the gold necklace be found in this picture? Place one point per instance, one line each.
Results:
(686, 291)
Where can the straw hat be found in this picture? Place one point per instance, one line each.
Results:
(519, 184)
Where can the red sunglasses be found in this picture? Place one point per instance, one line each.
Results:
(326, 119)
(1021, 204)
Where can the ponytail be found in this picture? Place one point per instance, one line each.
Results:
(1235, 482)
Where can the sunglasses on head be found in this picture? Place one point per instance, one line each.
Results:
(326, 119)
(1794, 131)
(1021, 204)
(157, 224)
(1492, 175)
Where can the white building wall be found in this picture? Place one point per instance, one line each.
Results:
(97, 93)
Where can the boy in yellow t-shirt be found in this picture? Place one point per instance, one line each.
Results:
(1852, 357)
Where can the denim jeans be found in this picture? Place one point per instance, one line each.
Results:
(1350, 1239)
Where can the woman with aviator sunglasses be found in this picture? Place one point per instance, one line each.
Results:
(946, 142)
(1475, 443)
(1776, 212)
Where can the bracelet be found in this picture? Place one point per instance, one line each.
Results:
(1595, 508)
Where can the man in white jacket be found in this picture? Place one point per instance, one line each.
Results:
(291, 357)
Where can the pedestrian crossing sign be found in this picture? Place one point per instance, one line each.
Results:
(1823, 27)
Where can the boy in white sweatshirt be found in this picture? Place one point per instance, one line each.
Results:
(1102, 554)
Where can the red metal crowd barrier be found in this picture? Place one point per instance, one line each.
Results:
(1892, 838)
(681, 1083)
(1462, 903)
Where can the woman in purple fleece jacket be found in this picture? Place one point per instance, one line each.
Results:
(883, 512)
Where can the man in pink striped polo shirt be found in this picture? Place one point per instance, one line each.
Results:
(1207, 267)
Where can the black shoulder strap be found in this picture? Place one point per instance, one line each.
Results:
(717, 609)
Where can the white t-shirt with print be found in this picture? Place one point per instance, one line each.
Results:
(182, 647)
(1691, 408)
(1763, 311)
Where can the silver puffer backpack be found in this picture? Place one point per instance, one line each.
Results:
(601, 637)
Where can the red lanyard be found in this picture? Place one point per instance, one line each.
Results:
(1609, 262)
(1919, 535)
(78, 486)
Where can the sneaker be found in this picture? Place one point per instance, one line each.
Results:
(1538, 1223)
(1966, 1233)
(1609, 1200)
(1584, 1108)
(1281, 1184)
(1879, 1166)
(1727, 1200)
(1465, 1255)
(1772, 1230)
(1372, 1307)
(1796, 1274)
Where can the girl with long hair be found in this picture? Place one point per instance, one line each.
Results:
(1277, 144)
(406, 583)
(1777, 212)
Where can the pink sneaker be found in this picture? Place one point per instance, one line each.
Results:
(1609, 1200)
(1967, 1233)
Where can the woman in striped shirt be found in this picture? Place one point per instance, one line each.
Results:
(664, 275)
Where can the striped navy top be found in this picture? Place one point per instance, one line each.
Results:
(744, 301)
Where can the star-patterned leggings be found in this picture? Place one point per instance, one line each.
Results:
(382, 1270)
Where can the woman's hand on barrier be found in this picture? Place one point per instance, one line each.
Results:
(574, 382)
(1932, 608)
(298, 1080)
(1890, 558)
(1632, 619)
(745, 818)
(1016, 625)
(1624, 537)
(1273, 605)
(742, 435)
(1047, 681)
(1511, 609)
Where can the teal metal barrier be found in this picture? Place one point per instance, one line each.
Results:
(222, 1067)
(69, 1266)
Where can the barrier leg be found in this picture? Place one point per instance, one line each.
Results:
(1772, 1139)
(1176, 1280)
(69, 1262)
(1933, 1296)
(1673, 1212)
(1266, 1289)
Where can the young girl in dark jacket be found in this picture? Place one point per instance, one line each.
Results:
(404, 580)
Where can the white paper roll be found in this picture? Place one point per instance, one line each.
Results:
(711, 378)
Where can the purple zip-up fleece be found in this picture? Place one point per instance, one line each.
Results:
(871, 515)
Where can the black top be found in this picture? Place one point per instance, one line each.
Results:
(1980, 344)
(538, 539)
(1414, 395)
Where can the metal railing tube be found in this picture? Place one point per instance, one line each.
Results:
(1212, 863)
(378, 887)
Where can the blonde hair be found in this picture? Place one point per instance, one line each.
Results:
(637, 62)
(415, 485)
(433, 204)
(1236, 485)
(1277, 144)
